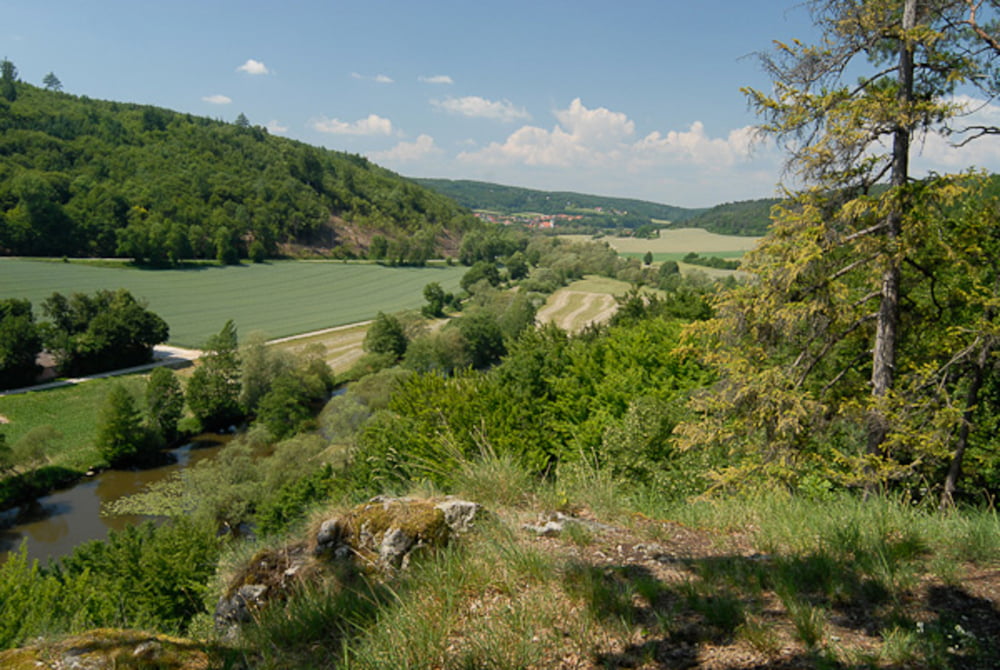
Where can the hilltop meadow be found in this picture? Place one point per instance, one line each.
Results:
(566, 452)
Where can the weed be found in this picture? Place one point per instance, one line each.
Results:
(759, 635)
(578, 534)
(809, 621)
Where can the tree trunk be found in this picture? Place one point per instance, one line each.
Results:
(886, 330)
(971, 400)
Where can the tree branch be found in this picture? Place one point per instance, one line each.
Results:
(829, 345)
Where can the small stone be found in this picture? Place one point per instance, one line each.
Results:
(459, 514)
(148, 650)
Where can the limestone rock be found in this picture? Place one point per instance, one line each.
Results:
(108, 649)
(384, 531)
(380, 535)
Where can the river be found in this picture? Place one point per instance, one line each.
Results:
(52, 526)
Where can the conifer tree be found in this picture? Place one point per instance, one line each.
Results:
(120, 437)
(819, 345)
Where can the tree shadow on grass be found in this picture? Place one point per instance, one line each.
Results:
(730, 601)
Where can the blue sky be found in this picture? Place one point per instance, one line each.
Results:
(637, 98)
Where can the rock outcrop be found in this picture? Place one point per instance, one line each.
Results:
(384, 532)
(112, 649)
(378, 537)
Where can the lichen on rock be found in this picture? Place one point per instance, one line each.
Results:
(378, 537)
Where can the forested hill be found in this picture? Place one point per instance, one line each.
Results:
(94, 178)
(746, 217)
(511, 199)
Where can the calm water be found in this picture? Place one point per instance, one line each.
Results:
(55, 524)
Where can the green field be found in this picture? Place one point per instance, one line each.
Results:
(279, 299)
(674, 244)
(71, 410)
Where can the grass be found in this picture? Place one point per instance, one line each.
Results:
(280, 299)
(70, 410)
(679, 241)
(679, 256)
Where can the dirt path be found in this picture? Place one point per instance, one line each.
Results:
(344, 353)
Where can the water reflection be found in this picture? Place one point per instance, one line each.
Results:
(52, 526)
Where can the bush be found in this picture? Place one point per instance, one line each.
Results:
(386, 335)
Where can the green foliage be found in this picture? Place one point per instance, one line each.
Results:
(668, 268)
(84, 177)
(481, 271)
(213, 390)
(436, 299)
(872, 303)
(442, 352)
(517, 266)
(260, 365)
(8, 80)
(746, 217)
(712, 262)
(20, 344)
(386, 336)
(34, 447)
(164, 403)
(483, 338)
(106, 331)
(489, 244)
(257, 253)
(284, 409)
(51, 82)
(120, 435)
(6, 455)
(510, 199)
(290, 502)
(551, 399)
(145, 576)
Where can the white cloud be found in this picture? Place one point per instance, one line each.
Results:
(477, 107)
(253, 67)
(595, 127)
(276, 128)
(217, 99)
(694, 146)
(407, 152)
(939, 152)
(436, 79)
(378, 79)
(372, 125)
(601, 137)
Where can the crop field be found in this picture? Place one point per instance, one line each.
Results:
(279, 299)
(590, 300)
(675, 244)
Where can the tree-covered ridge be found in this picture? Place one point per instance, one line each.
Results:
(745, 217)
(510, 199)
(87, 177)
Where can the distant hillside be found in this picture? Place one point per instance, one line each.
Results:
(512, 199)
(93, 178)
(747, 217)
